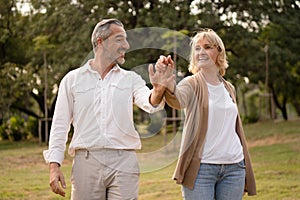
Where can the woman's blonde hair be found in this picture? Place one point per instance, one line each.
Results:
(214, 40)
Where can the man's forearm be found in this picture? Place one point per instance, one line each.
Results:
(157, 96)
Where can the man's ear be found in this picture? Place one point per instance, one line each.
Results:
(99, 41)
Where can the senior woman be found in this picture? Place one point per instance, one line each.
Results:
(214, 161)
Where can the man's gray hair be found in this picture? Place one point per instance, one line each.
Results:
(102, 30)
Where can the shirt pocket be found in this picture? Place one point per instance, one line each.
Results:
(83, 96)
(121, 92)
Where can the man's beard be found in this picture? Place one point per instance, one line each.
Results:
(116, 60)
(120, 61)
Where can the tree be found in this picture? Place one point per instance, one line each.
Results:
(255, 25)
(283, 38)
(13, 59)
(245, 27)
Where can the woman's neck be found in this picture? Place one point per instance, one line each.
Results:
(212, 78)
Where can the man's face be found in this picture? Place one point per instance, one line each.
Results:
(116, 45)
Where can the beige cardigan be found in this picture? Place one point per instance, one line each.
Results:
(191, 94)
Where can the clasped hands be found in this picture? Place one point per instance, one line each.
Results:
(161, 75)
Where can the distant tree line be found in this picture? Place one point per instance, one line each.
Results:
(53, 36)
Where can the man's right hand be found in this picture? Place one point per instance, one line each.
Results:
(57, 180)
(165, 65)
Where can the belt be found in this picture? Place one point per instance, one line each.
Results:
(87, 151)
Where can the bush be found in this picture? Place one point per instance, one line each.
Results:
(15, 129)
(3, 132)
(32, 126)
(253, 106)
(250, 119)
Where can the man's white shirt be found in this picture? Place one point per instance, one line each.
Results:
(101, 111)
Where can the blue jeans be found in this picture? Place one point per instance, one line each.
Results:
(218, 182)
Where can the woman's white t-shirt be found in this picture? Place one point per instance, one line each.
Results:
(222, 144)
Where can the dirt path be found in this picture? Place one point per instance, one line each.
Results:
(274, 140)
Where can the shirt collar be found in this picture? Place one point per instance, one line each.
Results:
(87, 68)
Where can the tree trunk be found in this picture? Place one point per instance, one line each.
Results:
(297, 107)
(282, 107)
(284, 110)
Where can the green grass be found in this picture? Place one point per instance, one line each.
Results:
(274, 148)
(275, 153)
(23, 172)
(277, 170)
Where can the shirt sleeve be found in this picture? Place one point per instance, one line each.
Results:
(141, 96)
(60, 124)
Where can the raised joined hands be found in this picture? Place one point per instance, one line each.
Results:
(161, 75)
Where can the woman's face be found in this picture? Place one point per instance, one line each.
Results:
(205, 54)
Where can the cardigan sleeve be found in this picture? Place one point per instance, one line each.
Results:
(182, 94)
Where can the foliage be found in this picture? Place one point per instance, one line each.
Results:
(284, 56)
(252, 106)
(55, 35)
(15, 129)
(32, 126)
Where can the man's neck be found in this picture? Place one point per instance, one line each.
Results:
(101, 68)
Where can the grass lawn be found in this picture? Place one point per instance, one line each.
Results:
(274, 147)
